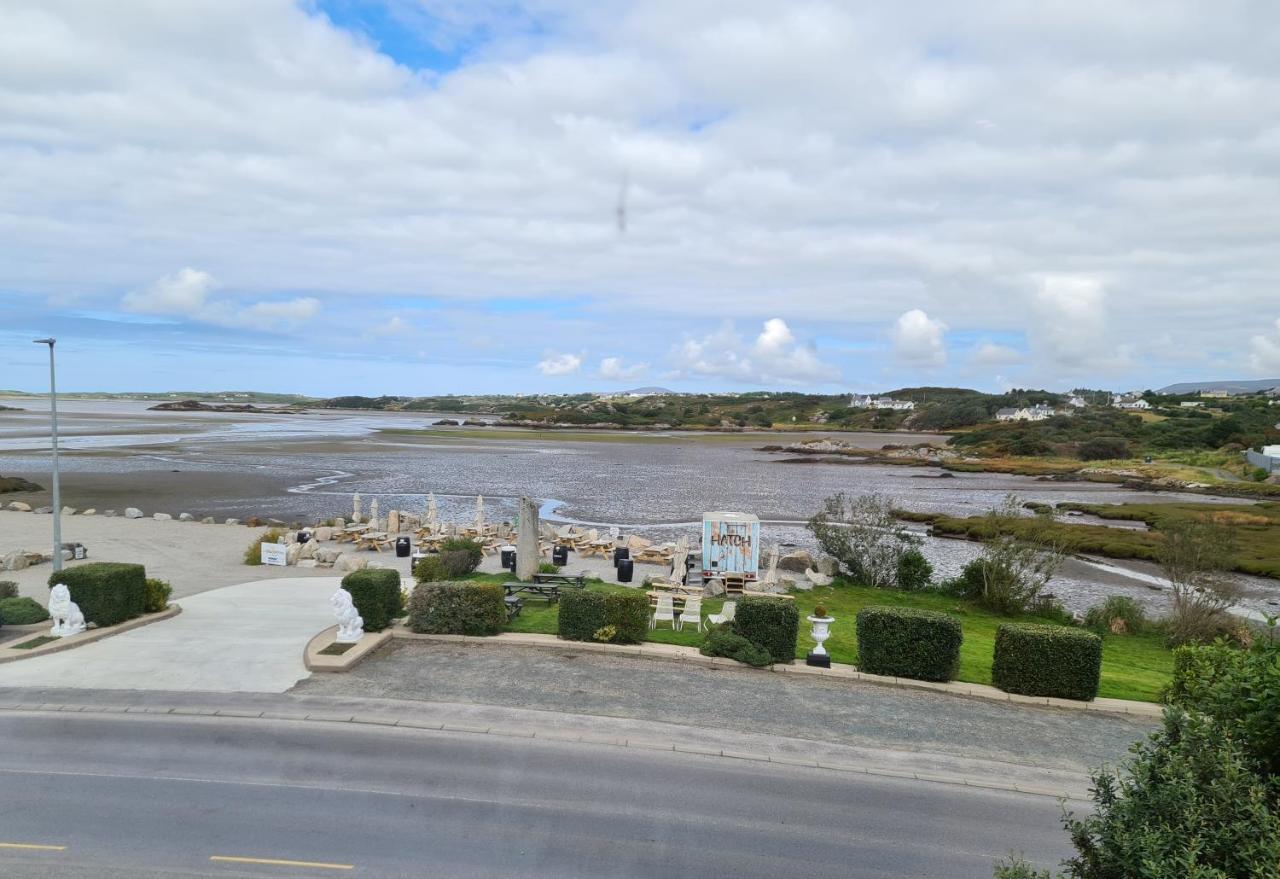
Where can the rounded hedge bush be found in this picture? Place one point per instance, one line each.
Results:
(581, 615)
(906, 642)
(628, 613)
(376, 595)
(723, 641)
(106, 592)
(771, 623)
(21, 612)
(464, 608)
(1039, 660)
(158, 592)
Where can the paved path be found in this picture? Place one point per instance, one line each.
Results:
(248, 637)
(405, 802)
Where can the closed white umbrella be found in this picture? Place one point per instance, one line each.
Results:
(433, 515)
(355, 507)
(679, 560)
(771, 575)
(373, 513)
(479, 514)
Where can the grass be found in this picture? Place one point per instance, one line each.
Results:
(336, 649)
(1133, 666)
(35, 642)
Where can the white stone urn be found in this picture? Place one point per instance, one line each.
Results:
(821, 632)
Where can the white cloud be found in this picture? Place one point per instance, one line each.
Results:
(560, 364)
(613, 369)
(1264, 353)
(1071, 321)
(774, 356)
(918, 339)
(270, 315)
(183, 293)
(396, 326)
(994, 354)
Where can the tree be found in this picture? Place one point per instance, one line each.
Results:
(1018, 559)
(1195, 555)
(863, 537)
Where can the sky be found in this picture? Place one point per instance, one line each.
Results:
(433, 196)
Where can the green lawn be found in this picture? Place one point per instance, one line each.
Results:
(1133, 666)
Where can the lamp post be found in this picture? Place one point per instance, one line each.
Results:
(57, 493)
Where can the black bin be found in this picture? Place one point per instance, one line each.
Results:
(509, 557)
(404, 546)
(619, 554)
(560, 556)
(626, 568)
(304, 536)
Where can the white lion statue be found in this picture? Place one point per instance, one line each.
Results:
(67, 618)
(350, 623)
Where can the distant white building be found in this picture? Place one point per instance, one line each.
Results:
(1038, 412)
(1076, 401)
(861, 401)
(1130, 402)
(1191, 404)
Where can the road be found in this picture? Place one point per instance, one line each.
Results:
(163, 795)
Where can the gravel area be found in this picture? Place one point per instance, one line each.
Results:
(842, 712)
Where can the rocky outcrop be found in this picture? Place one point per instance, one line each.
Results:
(162, 517)
(133, 513)
(14, 561)
(797, 561)
(19, 507)
(186, 517)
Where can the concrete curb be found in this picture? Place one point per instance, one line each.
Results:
(11, 654)
(314, 660)
(690, 655)
(427, 725)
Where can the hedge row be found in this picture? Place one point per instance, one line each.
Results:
(463, 608)
(376, 595)
(769, 623)
(583, 613)
(21, 612)
(106, 592)
(906, 642)
(1038, 660)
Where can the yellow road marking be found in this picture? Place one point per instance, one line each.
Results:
(34, 846)
(276, 862)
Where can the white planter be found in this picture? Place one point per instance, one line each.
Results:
(821, 632)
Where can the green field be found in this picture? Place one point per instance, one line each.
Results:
(1133, 666)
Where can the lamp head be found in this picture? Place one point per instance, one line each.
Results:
(48, 342)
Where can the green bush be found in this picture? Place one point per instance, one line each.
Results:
(253, 552)
(464, 608)
(107, 592)
(1101, 617)
(723, 641)
(1039, 660)
(548, 568)
(907, 642)
(376, 595)
(581, 615)
(158, 592)
(628, 613)
(429, 569)
(8, 589)
(473, 550)
(456, 559)
(969, 583)
(914, 571)
(771, 623)
(21, 611)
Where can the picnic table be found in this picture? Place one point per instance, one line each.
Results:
(549, 591)
(577, 581)
(373, 540)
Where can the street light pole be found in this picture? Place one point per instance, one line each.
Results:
(57, 492)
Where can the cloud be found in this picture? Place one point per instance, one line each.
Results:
(290, 311)
(1070, 326)
(396, 326)
(918, 339)
(613, 369)
(184, 293)
(993, 354)
(774, 356)
(1264, 353)
(560, 364)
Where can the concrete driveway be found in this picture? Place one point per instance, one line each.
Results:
(243, 638)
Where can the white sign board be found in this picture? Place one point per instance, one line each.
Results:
(275, 554)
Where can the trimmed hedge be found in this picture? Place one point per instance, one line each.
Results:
(107, 592)
(906, 642)
(723, 641)
(463, 608)
(21, 612)
(1039, 660)
(771, 623)
(376, 595)
(583, 613)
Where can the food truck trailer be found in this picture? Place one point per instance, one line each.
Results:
(730, 544)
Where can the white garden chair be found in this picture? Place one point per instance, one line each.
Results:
(726, 615)
(692, 613)
(666, 610)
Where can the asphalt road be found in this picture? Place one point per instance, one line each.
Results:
(161, 795)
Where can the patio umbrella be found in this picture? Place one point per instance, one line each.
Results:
(373, 513)
(479, 514)
(355, 507)
(433, 516)
(771, 575)
(679, 560)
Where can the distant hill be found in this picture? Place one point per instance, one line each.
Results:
(1235, 386)
(655, 391)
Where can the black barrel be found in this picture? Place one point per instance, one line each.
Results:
(619, 554)
(626, 568)
(304, 536)
(404, 546)
(509, 557)
(560, 556)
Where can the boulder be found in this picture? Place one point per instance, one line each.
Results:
(713, 588)
(828, 565)
(14, 561)
(327, 555)
(796, 561)
(90, 512)
(816, 578)
(110, 513)
(799, 584)
(19, 507)
(231, 522)
(207, 520)
(69, 511)
(308, 563)
(162, 517)
(293, 553)
(324, 533)
(133, 513)
(348, 562)
(43, 510)
(186, 517)
(307, 550)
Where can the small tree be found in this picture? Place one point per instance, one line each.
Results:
(1018, 559)
(863, 537)
(1195, 555)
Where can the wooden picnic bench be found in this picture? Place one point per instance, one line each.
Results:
(576, 581)
(549, 591)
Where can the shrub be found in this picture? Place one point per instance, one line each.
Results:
(914, 571)
(864, 537)
(21, 611)
(464, 608)
(474, 554)
(107, 592)
(429, 569)
(908, 643)
(723, 641)
(1039, 660)
(1118, 615)
(1018, 868)
(771, 623)
(253, 552)
(8, 589)
(157, 598)
(628, 613)
(606, 634)
(376, 595)
(1103, 448)
(581, 615)
(548, 568)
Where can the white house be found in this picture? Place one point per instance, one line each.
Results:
(1130, 402)
(1038, 412)
(861, 401)
(1076, 401)
(1191, 404)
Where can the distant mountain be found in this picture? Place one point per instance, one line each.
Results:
(1235, 386)
(654, 391)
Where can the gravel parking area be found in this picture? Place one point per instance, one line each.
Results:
(744, 700)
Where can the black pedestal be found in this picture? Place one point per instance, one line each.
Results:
(819, 660)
